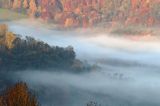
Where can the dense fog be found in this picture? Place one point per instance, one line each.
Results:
(128, 74)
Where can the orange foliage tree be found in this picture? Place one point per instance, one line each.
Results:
(25, 4)
(18, 95)
(15, 4)
(32, 8)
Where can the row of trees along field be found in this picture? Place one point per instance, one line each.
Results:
(75, 13)
(20, 54)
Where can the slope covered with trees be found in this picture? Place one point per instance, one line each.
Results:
(85, 13)
(20, 54)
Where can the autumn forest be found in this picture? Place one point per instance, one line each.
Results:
(79, 52)
(87, 13)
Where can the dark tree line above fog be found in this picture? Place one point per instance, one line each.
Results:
(29, 53)
(20, 54)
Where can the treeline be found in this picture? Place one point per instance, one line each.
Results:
(85, 13)
(29, 53)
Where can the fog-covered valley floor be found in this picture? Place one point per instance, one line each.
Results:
(129, 72)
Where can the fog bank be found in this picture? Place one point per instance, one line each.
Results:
(129, 73)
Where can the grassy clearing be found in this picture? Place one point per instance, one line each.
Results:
(9, 15)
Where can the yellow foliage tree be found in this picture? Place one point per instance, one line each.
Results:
(3, 30)
(6, 38)
(10, 37)
(69, 22)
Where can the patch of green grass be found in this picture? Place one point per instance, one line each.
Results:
(8, 15)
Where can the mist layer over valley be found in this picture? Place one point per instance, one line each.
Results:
(128, 74)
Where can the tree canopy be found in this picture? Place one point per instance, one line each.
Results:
(85, 13)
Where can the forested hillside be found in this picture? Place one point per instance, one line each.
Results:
(18, 53)
(86, 13)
